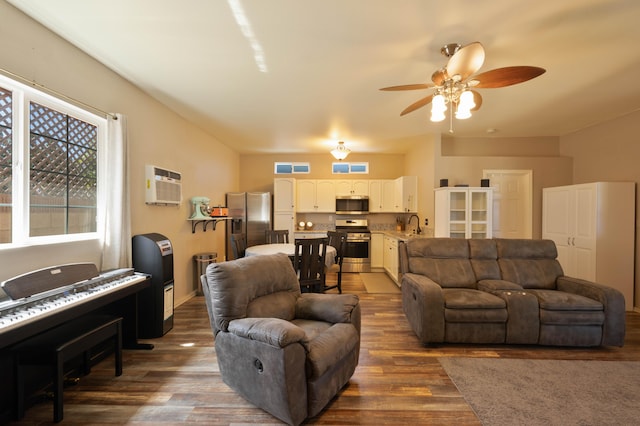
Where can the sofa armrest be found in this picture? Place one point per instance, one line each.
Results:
(423, 304)
(333, 308)
(272, 331)
(613, 301)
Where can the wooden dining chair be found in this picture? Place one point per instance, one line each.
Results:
(309, 263)
(338, 240)
(274, 236)
(238, 245)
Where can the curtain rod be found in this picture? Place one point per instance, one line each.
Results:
(55, 93)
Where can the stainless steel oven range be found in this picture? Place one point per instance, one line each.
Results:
(357, 254)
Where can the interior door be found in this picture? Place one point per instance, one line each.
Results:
(512, 203)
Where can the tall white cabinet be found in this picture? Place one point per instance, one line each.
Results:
(463, 212)
(284, 204)
(593, 226)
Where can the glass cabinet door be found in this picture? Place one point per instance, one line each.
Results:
(458, 214)
(479, 214)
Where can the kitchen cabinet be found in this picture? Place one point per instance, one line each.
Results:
(284, 195)
(315, 196)
(593, 226)
(382, 195)
(284, 204)
(390, 257)
(377, 250)
(406, 194)
(352, 187)
(463, 212)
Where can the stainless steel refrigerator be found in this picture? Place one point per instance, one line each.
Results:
(250, 214)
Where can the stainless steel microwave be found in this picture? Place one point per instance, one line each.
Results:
(352, 204)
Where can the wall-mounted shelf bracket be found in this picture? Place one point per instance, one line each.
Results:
(213, 220)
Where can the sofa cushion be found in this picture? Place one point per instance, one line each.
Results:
(445, 261)
(471, 299)
(484, 259)
(257, 276)
(493, 285)
(555, 300)
(530, 263)
(473, 306)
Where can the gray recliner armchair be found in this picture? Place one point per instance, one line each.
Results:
(286, 352)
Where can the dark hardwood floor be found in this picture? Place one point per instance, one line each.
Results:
(398, 381)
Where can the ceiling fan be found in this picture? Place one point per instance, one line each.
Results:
(453, 84)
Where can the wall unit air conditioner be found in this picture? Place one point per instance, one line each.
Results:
(162, 186)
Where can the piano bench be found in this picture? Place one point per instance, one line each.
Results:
(63, 343)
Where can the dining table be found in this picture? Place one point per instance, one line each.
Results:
(289, 249)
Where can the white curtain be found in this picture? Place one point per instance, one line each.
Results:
(116, 232)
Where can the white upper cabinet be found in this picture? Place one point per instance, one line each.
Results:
(284, 195)
(315, 196)
(382, 195)
(352, 187)
(406, 194)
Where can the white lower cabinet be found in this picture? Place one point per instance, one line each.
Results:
(285, 220)
(390, 257)
(377, 250)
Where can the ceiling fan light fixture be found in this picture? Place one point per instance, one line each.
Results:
(462, 114)
(340, 152)
(466, 100)
(438, 108)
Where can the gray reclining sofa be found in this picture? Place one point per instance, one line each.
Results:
(509, 291)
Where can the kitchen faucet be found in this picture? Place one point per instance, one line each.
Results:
(418, 230)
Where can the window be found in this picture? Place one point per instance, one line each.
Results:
(291, 168)
(48, 167)
(350, 168)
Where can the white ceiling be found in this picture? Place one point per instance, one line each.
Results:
(326, 59)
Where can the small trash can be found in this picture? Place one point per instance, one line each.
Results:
(202, 260)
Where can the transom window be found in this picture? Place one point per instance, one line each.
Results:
(48, 167)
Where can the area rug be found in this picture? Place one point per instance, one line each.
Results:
(548, 392)
(378, 282)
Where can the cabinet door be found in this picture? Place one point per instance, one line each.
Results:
(284, 195)
(458, 213)
(375, 196)
(284, 221)
(390, 257)
(584, 235)
(377, 250)
(343, 187)
(557, 223)
(352, 187)
(388, 195)
(306, 195)
(360, 187)
(480, 203)
(325, 196)
(409, 189)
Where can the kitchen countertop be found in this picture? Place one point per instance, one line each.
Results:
(400, 235)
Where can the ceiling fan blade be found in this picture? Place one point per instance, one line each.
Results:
(466, 61)
(419, 104)
(438, 77)
(507, 76)
(408, 87)
(477, 99)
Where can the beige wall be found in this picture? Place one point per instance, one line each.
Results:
(156, 135)
(608, 152)
(256, 171)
